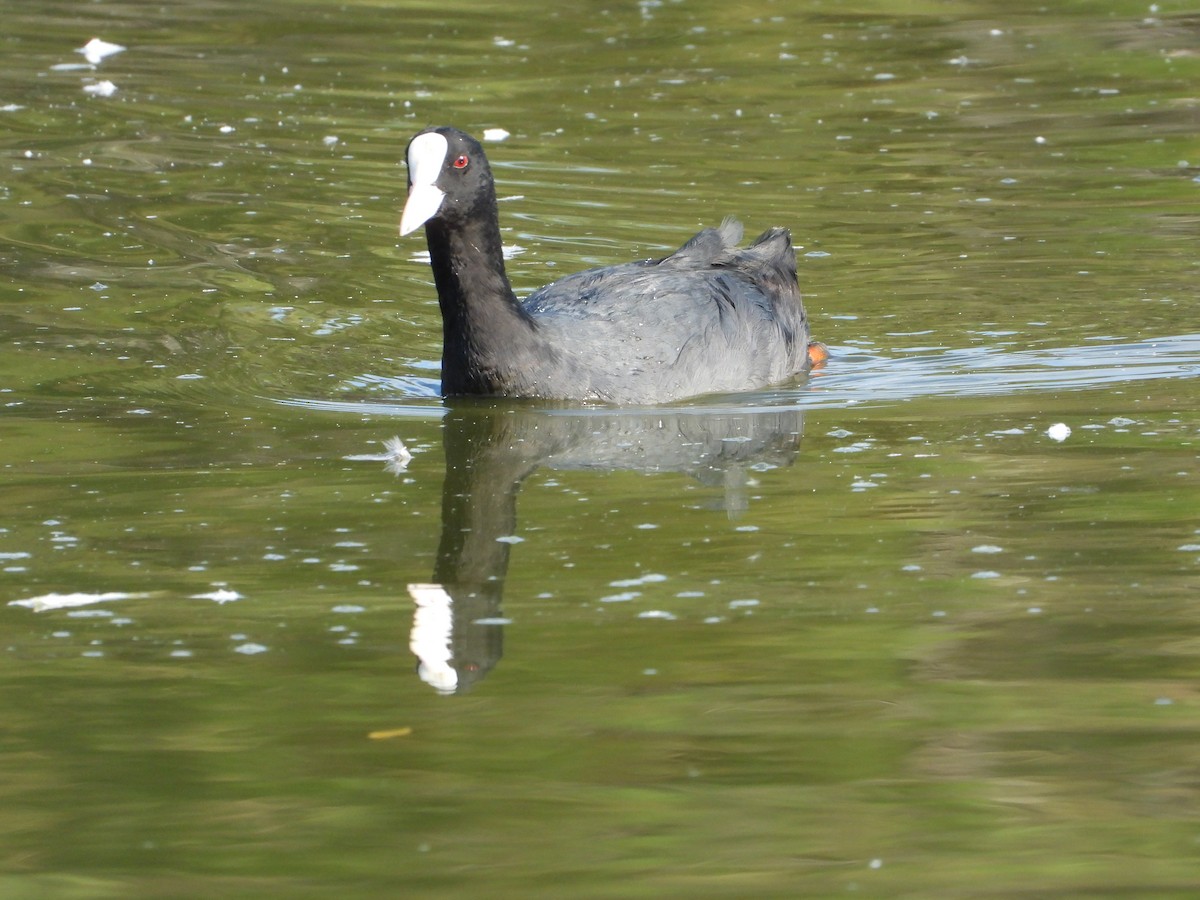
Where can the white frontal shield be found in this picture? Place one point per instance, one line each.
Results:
(426, 156)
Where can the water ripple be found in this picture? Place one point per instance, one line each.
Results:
(859, 378)
(856, 378)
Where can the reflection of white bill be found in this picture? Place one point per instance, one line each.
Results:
(66, 601)
(431, 636)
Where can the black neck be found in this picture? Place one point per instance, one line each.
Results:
(481, 319)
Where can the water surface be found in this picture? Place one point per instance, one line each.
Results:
(921, 625)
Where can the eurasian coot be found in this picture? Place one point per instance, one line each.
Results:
(711, 317)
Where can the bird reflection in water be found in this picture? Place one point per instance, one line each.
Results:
(492, 446)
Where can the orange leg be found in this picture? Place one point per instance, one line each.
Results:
(817, 354)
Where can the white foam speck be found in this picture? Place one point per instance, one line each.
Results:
(1059, 431)
(100, 89)
(221, 595)
(650, 578)
(66, 601)
(624, 597)
(95, 50)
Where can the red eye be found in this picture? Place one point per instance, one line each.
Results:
(461, 161)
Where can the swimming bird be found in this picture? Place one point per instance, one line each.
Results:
(710, 317)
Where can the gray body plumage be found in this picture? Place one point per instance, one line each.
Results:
(709, 318)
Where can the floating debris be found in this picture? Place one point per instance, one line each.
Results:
(389, 734)
(1059, 431)
(395, 455)
(495, 134)
(96, 50)
(100, 89)
(398, 456)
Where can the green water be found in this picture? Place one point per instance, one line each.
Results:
(879, 633)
